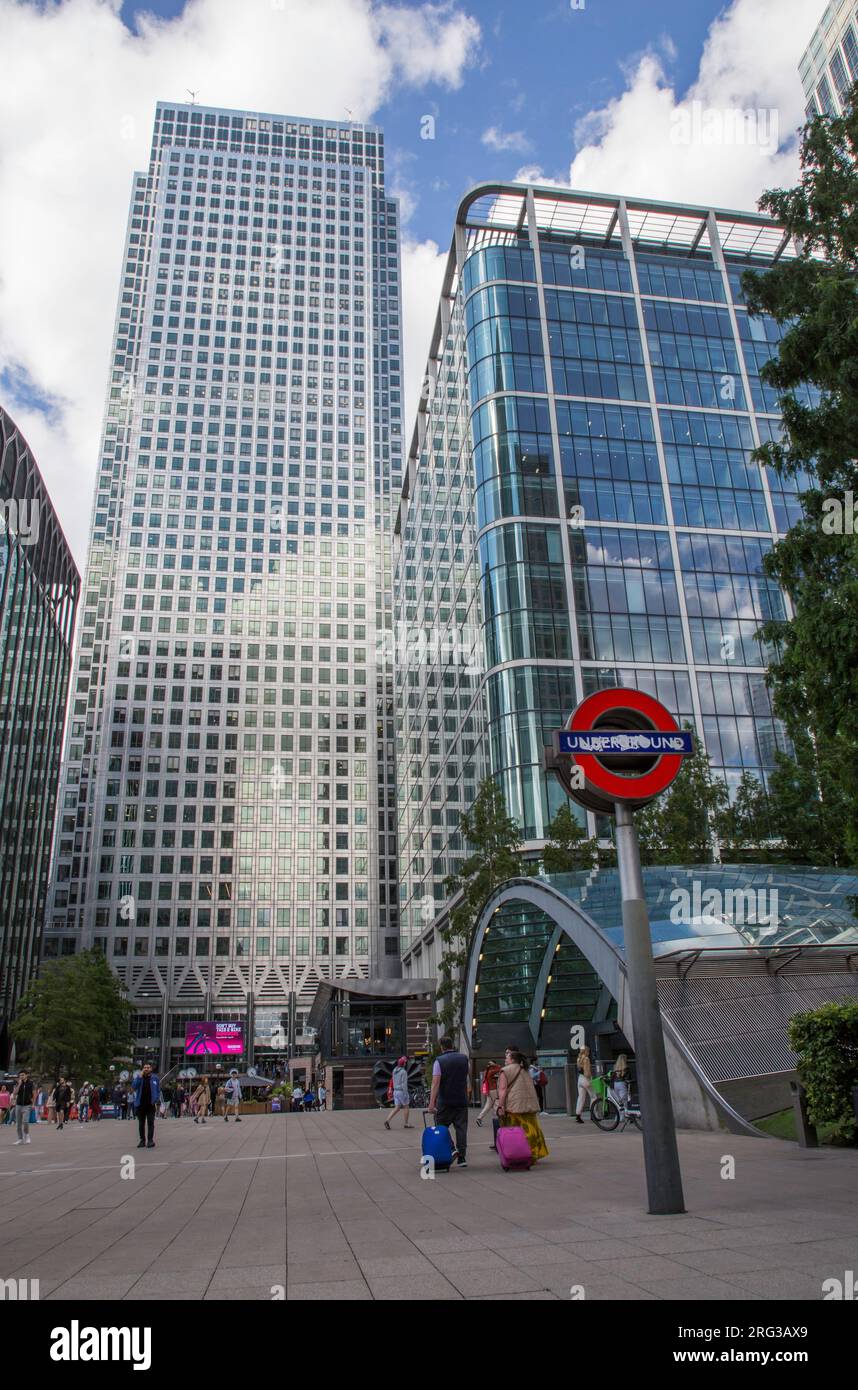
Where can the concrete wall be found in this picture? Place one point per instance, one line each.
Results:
(760, 1095)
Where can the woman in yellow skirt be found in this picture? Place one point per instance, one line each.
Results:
(518, 1103)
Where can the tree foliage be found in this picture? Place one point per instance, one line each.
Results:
(826, 1044)
(680, 826)
(814, 298)
(494, 842)
(73, 1018)
(744, 826)
(567, 848)
(811, 809)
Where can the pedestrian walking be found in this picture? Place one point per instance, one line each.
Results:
(489, 1090)
(25, 1095)
(200, 1100)
(5, 1103)
(63, 1101)
(51, 1105)
(83, 1104)
(233, 1097)
(401, 1098)
(451, 1094)
(116, 1098)
(147, 1095)
(309, 1099)
(95, 1103)
(518, 1103)
(585, 1081)
(297, 1096)
(323, 1096)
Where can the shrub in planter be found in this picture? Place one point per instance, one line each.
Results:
(826, 1044)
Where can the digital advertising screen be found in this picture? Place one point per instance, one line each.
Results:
(214, 1040)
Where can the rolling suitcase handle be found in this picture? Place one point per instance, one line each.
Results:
(425, 1113)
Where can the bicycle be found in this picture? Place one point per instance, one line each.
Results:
(418, 1097)
(607, 1111)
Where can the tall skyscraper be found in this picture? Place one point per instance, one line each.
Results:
(580, 508)
(39, 588)
(829, 65)
(227, 828)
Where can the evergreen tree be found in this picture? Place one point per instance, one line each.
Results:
(73, 1018)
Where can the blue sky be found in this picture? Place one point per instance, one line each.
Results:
(542, 67)
(528, 72)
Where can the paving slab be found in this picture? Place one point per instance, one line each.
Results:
(333, 1207)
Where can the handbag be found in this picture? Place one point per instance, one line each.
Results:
(33, 1116)
(509, 1086)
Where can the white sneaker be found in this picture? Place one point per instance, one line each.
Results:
(19, 1141)
(27, 1139)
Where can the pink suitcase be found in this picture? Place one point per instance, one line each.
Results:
(513, 1148)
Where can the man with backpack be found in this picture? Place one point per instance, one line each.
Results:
(451, 1094)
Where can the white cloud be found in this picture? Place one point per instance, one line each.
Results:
(500, 140)
(431, 44)
(655, 142)
(422, 276)
(76, 108)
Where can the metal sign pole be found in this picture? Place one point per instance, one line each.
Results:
(661, 1155)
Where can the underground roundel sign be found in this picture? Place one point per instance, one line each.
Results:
(618, 745)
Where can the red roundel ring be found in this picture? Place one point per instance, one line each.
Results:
(611, 784)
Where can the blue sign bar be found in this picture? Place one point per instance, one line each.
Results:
(626, 742)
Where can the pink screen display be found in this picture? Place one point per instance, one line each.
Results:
(213, 1040)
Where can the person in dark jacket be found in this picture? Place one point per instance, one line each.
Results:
(63, 1097)
(146, 1097)
(25, 1099)
(451, 1094)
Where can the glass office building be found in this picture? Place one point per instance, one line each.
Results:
(580, 508)
(829, 65)
(39, 587)
(227, 830)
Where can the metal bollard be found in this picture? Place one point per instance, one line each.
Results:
(806, 1132)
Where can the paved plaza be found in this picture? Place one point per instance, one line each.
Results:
(332, 1206)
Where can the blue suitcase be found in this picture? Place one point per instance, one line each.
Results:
(437, 1145)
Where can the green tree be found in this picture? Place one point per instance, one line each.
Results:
(73, 1018)
(743, 825)
(567, 848)
(494, 842)
(809, 803)
(814, 299)
(826, 1044)
(679, 827)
